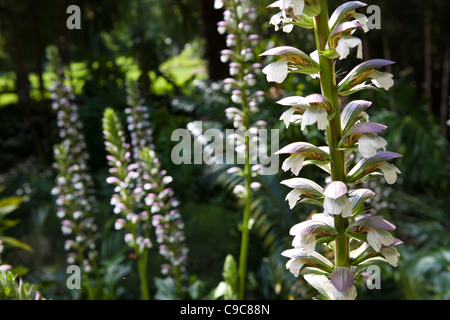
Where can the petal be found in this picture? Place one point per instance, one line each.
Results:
(389, 171)
(352, 112)
(276, 20)
(324, 218)
(284, 5)
(315, 56)
(347, 208)
(321, 284)
(344, 45)
(305, 228)
(362, 19)
(294, 253)
(294, 266)
(288, 28)
(293, 101)
(315, 114)
(350, 294)
(382, 79)
(289, 117)
(292, 197)
(294, 163)
(335, 189)
(369, 143)
(298, 6)
(376, 238)
(304, 185)
(307, 243)
(331, 207)
(218, 4)
(341, 12)
(391, 255)
(376, 222)
(337, 206)
(366, 127)
(276, 71)
(342, 278)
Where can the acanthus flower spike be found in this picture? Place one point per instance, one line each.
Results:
(344, 220)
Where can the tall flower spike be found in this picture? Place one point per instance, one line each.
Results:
(239, 18)
(142, 195)
(344, 221)
(74, 185)
(127, 194)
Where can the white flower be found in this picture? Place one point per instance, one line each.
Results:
(289, 116)
(341, 205)
(391, 255)
(167, 180)
(305, 242)
(315, 56)
(294, 163)
(389, 171)
(276, 71)
(336, 200)
(292, 197)
(368, 144)
(315, 113)
(377, 237)
(322, 284)
(284, 5)
(361, 18)
(347, 42)
(218, 4)
(294, 266)
(382, 79)
(298, 6)
(277, 19)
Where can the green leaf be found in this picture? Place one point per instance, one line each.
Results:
(230, 270)
(166, 289)
(16, 243)
(9, 204)
(7, 224)
(305, 22)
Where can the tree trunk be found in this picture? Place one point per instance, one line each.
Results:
(445, 101)
(428, 85)
(214, 41)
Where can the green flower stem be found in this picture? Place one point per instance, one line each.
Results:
(334, 131)
(142, 267)
(245, 237)
(246, 218)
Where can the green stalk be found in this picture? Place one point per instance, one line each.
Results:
(245, 237)
(334, 130)
(247, 210)
(142, 268)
